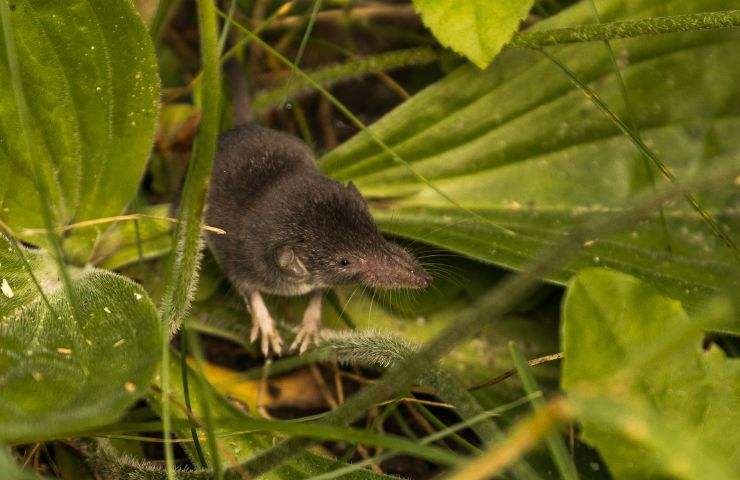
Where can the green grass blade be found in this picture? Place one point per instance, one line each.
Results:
(646, 151)
(554, 441)
(434, 420)
(324, 431)
(186, 393)
(205, 400)
(226, 28)
(452, 429)
(630, 112)
(302, 47)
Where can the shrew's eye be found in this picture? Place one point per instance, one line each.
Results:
(344, 262)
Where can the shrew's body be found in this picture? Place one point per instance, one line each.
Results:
(290, 230)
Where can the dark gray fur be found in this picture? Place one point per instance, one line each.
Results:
(268, 194)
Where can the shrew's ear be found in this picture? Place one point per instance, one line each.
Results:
(355, 193)
(351, 187)
(289, 262)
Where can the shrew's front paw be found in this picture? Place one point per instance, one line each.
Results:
(308, 334)
(270, 340)
(311, 327)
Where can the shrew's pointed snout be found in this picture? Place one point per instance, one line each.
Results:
(394, 267)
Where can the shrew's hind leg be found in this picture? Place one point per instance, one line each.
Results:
(311, 325)
(263, 325)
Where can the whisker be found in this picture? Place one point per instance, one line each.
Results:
(344, 308)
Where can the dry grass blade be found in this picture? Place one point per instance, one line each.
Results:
(522, 438)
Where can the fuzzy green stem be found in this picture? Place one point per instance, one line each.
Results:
(627, 29)
(182, 271)
(356, 68)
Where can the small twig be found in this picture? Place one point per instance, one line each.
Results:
(117, 218)
(423, 423)
(323, 388)
(366, 456)
(262, 390)
(523, 437)
(357, 378)
(512, 372)
(431, 403)
(31, 454)
(363, 13)
(338, 381)
(327, 126)
(393, 85)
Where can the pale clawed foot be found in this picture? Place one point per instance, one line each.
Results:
(263, 326)
(310, 329)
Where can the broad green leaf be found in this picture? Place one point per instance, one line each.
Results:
(60, 373)
(90, 80)
(521, 146)
(652, 401)
(477, 29)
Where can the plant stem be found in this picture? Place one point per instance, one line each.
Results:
(182, 270)
(160, 18)
(627, 29)
(304, 41)
(554, 441)
(631, 117)
(333, 74)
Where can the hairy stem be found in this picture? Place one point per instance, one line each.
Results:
(182, 270)
(627, 29)
(333, 74)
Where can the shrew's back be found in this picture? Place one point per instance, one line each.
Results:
(250, 163)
